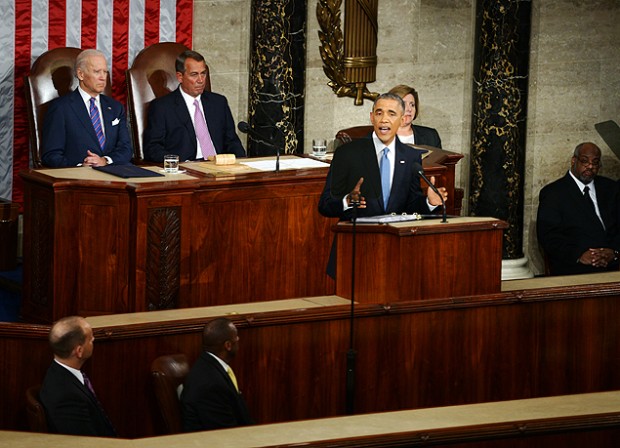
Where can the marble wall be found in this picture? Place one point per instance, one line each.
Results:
(574, 78)
(574, 84)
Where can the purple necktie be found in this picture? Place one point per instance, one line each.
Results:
(96, 119)
(202, 132)
(90, 388)
(89, 385)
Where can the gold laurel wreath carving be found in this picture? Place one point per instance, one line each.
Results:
(332, 53)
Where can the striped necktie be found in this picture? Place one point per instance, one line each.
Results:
(202, 132)
(89, 385)
(96, 120)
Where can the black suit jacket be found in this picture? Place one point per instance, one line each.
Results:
(426, 136)
(70, 407)
(170, 130)
(567, 226)
(359, 159)
(68, 132)
(210, 400)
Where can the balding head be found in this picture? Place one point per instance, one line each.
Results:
(71, 339)
(586, 162)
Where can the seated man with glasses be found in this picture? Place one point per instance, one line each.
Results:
(578, 218)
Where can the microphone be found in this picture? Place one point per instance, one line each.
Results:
(247, 129)
(610, 131)
(434, 188)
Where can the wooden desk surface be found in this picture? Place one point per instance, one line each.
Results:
(193, 170)
(428, 422)
(561, 281)
(209, 312)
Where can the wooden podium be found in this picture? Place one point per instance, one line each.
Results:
(216, 235)
(419, 260)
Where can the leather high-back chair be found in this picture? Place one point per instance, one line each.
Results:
(37, 421)
(346, 135)
(52, 75)
(169, 372)
(152, 74)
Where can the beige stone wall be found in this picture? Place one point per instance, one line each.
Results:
(574, 84)
(222, 35)
(424, 44)
(574, 78)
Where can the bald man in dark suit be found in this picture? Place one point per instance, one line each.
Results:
(71, 405)
(578, 230)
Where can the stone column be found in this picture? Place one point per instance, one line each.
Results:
(501, 65)
(277, 76)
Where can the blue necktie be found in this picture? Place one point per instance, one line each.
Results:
(96, 119)
(384, 167)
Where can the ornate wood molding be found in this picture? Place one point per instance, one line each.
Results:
(335, 62)
(164, 257)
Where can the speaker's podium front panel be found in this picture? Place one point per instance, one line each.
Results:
(420, 260)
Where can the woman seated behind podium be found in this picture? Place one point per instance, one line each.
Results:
(408, 132)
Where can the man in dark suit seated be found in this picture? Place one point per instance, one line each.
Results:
(190, 121)
(381, 181)
(578, 217)
(211, 398)
(70, 403)
(86, 127)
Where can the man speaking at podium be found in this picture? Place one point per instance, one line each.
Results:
(378, 172)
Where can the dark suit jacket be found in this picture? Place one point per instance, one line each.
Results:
(170, 129)
(209, 399)
(567, 226)
(68, 132)
(359, 159)
(70, 407)
(426, 136)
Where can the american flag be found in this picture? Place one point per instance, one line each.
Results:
(28, 28)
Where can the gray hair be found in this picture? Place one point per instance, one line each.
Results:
(84, 56)
(390, 96)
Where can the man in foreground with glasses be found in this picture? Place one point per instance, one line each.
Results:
(578, 218)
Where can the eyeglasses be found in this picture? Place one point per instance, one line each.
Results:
(585, 161)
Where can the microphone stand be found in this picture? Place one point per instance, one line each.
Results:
(247, 129)
(434, 188)
(351, 353)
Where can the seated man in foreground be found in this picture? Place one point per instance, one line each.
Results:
(86, 127)
(190, 122)
(577, 223)
(70, 403)
(211, 398)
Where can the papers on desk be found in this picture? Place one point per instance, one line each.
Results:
(386, 219)
(293, 163)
